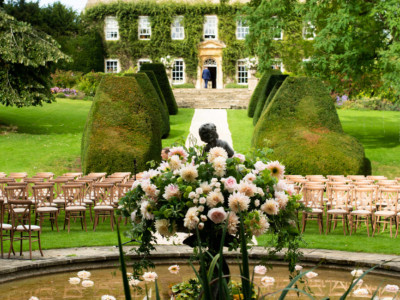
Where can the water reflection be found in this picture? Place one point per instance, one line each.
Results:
(329, 282)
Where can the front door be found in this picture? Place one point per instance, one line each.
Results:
(213, 71)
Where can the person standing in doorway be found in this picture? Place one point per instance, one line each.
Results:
(206, 76)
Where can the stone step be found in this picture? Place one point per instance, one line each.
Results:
(213, 98)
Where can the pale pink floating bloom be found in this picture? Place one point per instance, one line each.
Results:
(74, 280)
(310, 275)
(134, 282)
(162, 226)
(189, 173)
(171, 190)
(87, 283)
(215, 153)
(180, 152)
(298, 267)
(260, 166)
(174, 162)
(238, 202)
(359, 282)
(282, 199)
(392, 288)
(265, 281)
(230, 184)
(233, 221)
(214, 198)
(247, 188)
(150, 276)
(261, 270)
(241, 157)
(360, 292)
(84, 274)
(217, 215)
(191, 218)
(108, 297)
(174, 269)
(357, 273)
(277, 170)
(271, 207)
(146, 210)
(34, 298)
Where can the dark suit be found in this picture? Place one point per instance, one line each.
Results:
(206, 76)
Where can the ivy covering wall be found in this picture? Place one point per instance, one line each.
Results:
(128, 49)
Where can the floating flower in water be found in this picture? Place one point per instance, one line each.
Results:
(359, 282)
(265, 281)
(260, 270)
(34, 298)
(134, 282)
(87, 283)
(298, 267)
(84, 274)
(74, 280)
(310, 275)
(150, 276)
(357, 273)
(174, 269)
(360, 292)
(392, 288)
(277, 170)
(108, 297)
(217, 215)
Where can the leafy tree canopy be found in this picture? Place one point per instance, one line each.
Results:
(25, 57)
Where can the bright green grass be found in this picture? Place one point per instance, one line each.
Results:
(180, 125)
(378, 131)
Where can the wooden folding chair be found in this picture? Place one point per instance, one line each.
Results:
(18, 176)
(74, 204)
(44, 206)
(104, 203)
(339, 207)
(386, 212)
(5, 229)
(363, 202)
(313, 197)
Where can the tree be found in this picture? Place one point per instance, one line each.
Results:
(25, 57)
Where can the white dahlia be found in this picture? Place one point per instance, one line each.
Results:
(214, 198)
(216, 152)
(270, 207)
(146, 210)
(171, 190)
(219, 165)
(180, 152)
(282, 199)
(175, 162)
(260, 226)
(162, 227)
(233, 221)
(191, 218)
(238, 202)
(247, 188)
(189, 173)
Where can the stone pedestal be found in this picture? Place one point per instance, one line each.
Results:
(169, 75)
(252, 83)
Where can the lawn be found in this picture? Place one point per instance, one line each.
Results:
(378, 131)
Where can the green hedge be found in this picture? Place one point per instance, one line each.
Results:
(162, 78)
(259, 90)
(302, 127)
(266, 93)
(123, 124)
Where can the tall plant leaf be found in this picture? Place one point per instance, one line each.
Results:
(127, 289)
(246, 285)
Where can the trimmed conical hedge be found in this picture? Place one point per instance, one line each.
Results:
(150, 91)
(259, 90)
(123, 125)
(162, 78)
(154, 81)
(274, 81)
(302, 127)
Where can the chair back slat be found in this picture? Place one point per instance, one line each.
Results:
(313, 196)
(43, 195)
(103, 194)
(73, 194)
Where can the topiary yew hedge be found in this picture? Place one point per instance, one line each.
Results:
(274, 81)
(123, 125)
(260, 89)
(302, 127)
(162, 78)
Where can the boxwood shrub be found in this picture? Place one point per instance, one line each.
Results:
(122, 125)
(302, 127)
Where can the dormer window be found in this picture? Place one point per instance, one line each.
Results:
(111, 28)
(210, 27)
(144, 28)
(177, 30)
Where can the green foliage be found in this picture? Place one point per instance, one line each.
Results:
(65, 79)
(236, 86)
(129, 48)
(156, 86)
(259, 91)
(302, 127)
(123, 125)
(184, 86)
(25, 57)
(89, 83)
(149, 88)
(370, 104)
(272, 85)
(161, 75)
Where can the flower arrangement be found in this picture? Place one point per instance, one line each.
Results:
(206, 193)
(167, 61)
(251, 62)
(67, 92)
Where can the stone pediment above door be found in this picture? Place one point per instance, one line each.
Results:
(212, 44)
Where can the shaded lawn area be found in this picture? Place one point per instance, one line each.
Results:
(48, 138)
(378, 131)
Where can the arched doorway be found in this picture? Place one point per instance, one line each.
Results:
(211, 64)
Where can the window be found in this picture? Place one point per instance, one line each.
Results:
(278, 65)
(111, 28)
(308, 31)
(210, 27)
(277, 33)
(178, 72)
(242, 72)
(241, 29)
(177, 30)
(112, 66)
(144, 28)
(143, 61)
